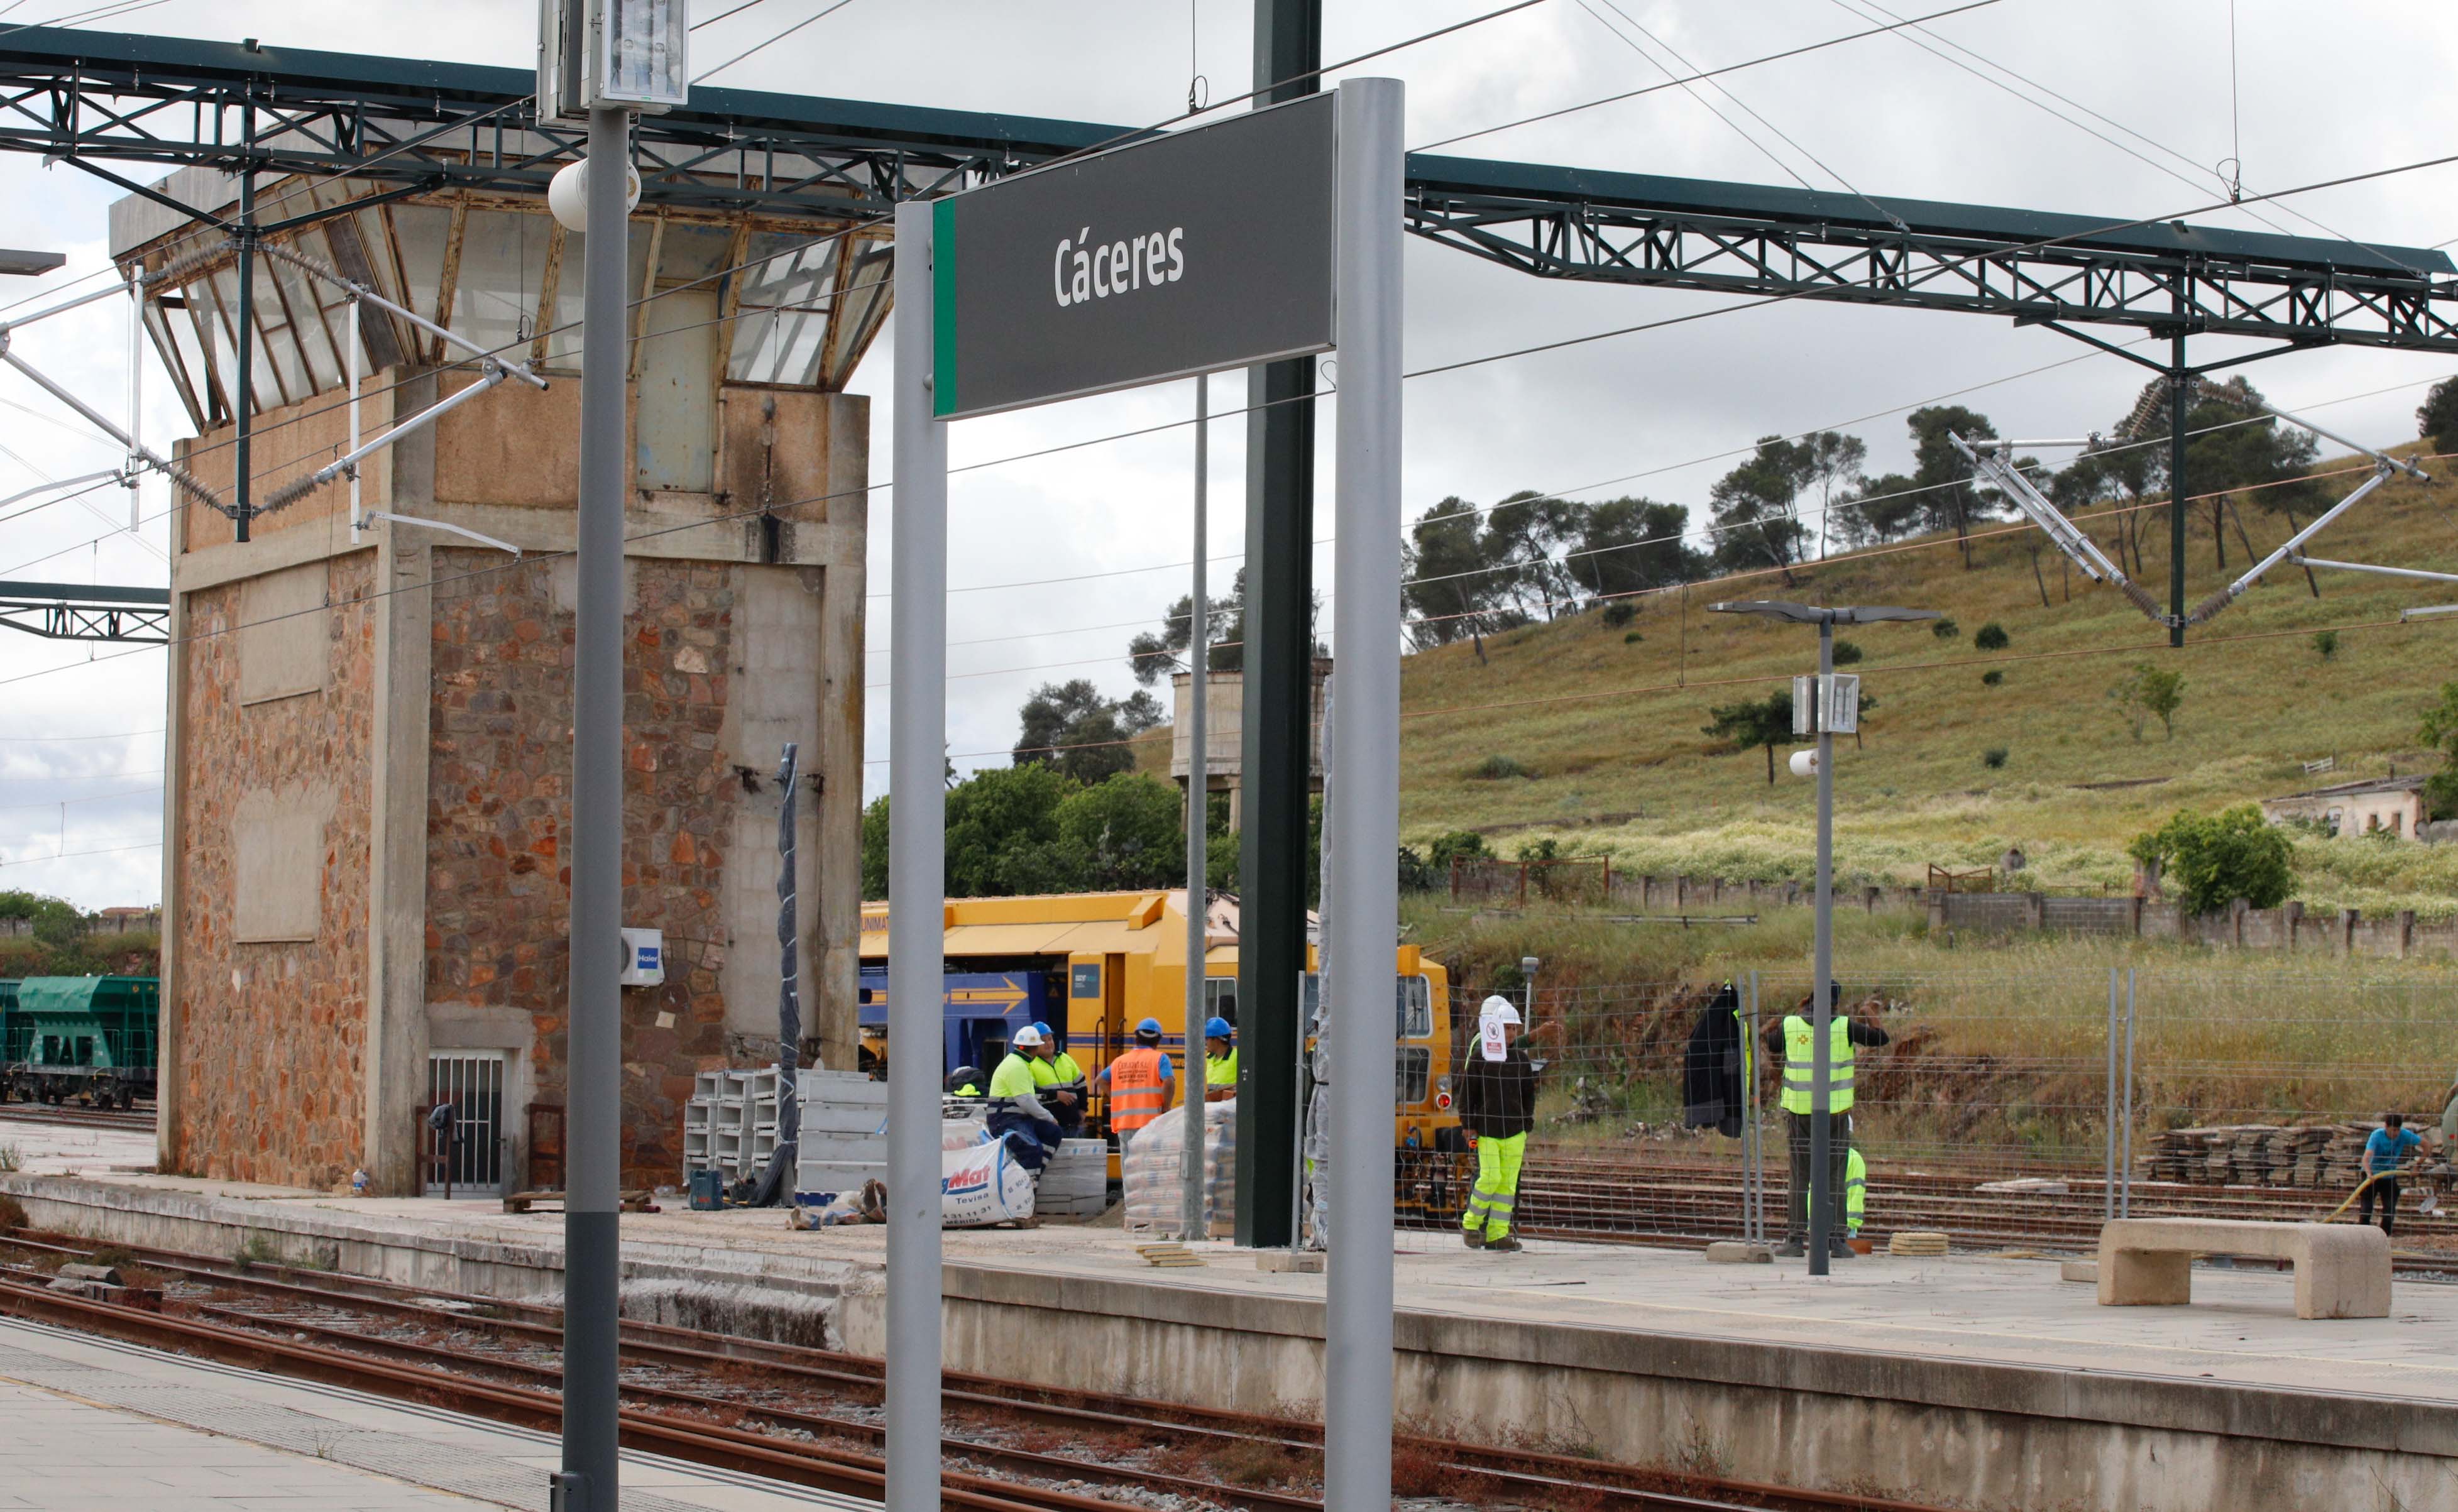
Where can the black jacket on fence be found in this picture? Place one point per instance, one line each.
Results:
(1713, 1095)
(1498, 1098)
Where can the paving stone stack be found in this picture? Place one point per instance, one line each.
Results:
(1075, 1182)
(2313, 1156)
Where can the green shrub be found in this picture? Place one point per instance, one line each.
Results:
(1846, 653)
(1621, 611)
(1991, 636)
(2325, 642)
(1455, 845)
(1633, 638)
(1945, 630)
(2216, 858)
(1993, 758)
(1496, 768)
(1991, 678)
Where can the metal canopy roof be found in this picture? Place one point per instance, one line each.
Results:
(89, 96)
(1840, 211)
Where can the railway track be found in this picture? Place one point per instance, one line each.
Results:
(806, 1415)
(137, 1120)
(1674, 1201)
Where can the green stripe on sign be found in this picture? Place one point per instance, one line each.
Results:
(943, 307)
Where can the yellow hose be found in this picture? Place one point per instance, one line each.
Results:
(2361, 1186)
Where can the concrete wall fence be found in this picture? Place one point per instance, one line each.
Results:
(2290, 926)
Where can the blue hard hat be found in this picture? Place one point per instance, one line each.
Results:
(1217, 1027)
(1043, 1027)
(1148, 1026)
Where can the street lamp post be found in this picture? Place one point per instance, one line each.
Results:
(600, 62)
(1827, 707)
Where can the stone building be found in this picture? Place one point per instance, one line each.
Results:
(370, 730)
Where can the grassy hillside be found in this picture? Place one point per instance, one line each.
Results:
(1606, 720)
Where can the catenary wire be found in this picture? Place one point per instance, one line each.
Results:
(2235, 192)
(1729, 68)
(821, 14)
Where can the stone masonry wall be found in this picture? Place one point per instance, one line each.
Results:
(499, 813)
(272, 1069)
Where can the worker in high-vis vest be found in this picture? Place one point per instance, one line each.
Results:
(1141, 1083)
(1016, 1107)
(1219, 1060)
(1856, 1193)
(1498, 1104)
(1795, 1037)
(1059, 1081)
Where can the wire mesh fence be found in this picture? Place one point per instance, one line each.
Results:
(2002, 1107)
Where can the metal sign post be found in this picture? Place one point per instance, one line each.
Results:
(1273, 235)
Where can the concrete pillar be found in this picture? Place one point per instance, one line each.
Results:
(2406, 932)
(400, 743)
(836, 966)
(2347, 940)
(2035, 911)
(2237, 910)
(2134, 921)
(169, 1105)
(2291, 918)
(1936, 911)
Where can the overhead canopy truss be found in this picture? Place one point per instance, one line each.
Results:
(77, 611)
(2034, 267)
(91, 97)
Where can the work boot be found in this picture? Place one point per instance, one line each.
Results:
(1838, 1249)
(1506, 1245)
(1791, 1250)
(1475, 1239)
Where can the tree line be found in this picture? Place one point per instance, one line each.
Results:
(1072, 812)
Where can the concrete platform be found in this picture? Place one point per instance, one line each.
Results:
(95, 1426)
(1970, 1381)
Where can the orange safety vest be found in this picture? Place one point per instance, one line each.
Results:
(1138, 1094)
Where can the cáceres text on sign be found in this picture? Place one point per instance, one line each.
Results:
(1115, 267)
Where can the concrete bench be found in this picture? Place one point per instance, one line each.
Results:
(2342, 1270)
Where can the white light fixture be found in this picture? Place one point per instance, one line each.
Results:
(632, 54)
(567, 194)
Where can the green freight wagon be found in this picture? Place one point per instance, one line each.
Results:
(12, 1027)
(83, 1038)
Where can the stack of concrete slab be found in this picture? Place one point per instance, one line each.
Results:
(844, 1131)
(1075, 1182)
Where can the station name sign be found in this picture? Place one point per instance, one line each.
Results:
(1183, 254)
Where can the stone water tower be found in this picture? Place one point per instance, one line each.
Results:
(369, 730)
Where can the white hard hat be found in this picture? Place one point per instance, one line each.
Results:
(1500, 1008)
(1026, 1038)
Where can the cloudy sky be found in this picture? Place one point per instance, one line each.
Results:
(1660, 413)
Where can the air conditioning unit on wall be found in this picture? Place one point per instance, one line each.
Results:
(644, 958)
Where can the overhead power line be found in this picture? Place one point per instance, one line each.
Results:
(1708, 74)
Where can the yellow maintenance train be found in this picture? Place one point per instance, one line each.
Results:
(1091, 964)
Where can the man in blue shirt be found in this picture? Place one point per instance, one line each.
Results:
(2386, 1151)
